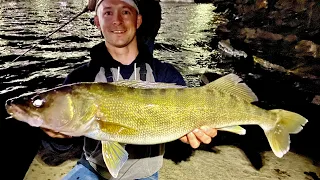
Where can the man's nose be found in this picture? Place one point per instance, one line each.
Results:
(117, 19)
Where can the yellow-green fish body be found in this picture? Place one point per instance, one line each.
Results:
(152, 116)
(136, 112)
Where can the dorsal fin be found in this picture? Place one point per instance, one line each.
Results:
(146, 84)
(232, 84)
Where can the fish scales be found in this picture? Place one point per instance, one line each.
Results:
(137, 112)
(154, 113)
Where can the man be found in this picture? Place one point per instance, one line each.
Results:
(120, 57)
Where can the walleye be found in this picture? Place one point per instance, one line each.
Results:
(137, 112)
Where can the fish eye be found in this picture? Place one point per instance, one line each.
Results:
(37, 101)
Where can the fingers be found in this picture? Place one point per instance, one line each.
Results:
(198, 136)
(54, 134)
(211, 132)
(202, 136)
(193, 141)
(184, 139)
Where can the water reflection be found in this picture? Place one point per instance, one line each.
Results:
(189, 25)
(184, 37)
(190, 28)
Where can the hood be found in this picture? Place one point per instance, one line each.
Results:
(101, 57)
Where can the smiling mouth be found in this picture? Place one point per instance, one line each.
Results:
(118, 32)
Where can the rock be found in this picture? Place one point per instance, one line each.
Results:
(261, 4)
(296, 5)
(316, 100)
(269, 35)
(291, 38)
(225, 48)
(250, 33)
(307, 48)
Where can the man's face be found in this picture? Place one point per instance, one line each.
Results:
(118, 22)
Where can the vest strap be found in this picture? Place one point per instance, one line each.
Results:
(108, 74)
(143, 71)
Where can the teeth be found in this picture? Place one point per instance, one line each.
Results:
(118, 32)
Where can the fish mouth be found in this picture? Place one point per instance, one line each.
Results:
(23, 115)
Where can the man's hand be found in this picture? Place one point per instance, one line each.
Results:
(204, 135)
(54, 134)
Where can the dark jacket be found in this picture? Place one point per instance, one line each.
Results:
(162, 72)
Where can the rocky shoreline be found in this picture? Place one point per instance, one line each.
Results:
(285, 33)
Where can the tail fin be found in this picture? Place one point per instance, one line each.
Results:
(279, 136)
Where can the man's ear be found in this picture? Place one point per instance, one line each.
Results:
(96, 22)
(139, 20)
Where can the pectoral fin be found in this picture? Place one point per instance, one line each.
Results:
(114, 156)
(116, 129)
(234, 129)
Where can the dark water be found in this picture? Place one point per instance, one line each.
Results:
(186, 39)
(181, 41)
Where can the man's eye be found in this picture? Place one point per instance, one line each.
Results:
(126, 12)
(37, 101)
(108, 13)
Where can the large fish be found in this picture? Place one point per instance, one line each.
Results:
(136, 112)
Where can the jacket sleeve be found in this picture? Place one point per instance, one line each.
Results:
(80, 74)
(165, 72)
